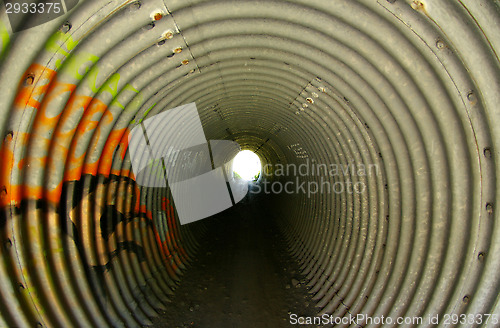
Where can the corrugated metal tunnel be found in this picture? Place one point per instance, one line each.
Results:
(408, 88)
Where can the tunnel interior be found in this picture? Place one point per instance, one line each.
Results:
(376, 124)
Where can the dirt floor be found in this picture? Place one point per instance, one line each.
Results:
(242, 277)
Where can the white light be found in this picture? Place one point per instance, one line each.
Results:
(247, 165)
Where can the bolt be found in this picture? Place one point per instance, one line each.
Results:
(157, 16)
(417, 5)
(440, 44)
(136, 5)
(487, 152)
(66, 27)
(168, 35)
(471, 97)
(29, 80)
(489, 208)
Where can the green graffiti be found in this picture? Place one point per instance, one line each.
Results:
(92, 79)
(77, 62)
(115, 101)
(149, 109)
(145, 114)
(135, 104)
(5, 38)
(56, 42)
(111, 85)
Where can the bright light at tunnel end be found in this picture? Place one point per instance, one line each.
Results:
(247, 165)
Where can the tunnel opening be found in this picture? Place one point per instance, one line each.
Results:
(247, 165)
(375, 123)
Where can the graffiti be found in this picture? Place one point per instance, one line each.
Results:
(4, 38)
(99, 208)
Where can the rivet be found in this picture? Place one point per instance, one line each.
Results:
(417, 5)
(310, 100)
(346, 100)
(29, 79)
(487, 152)
(387, 217)
(489, 208)
(150, 26)
(391, 1)
(38, 324)
(66, 27)
(3, 191)
(440, 44)
(162, 42)
(157, 16)
(168, 35)
(185, 62)
(466, 299)
(178, 50)
(386, 186)
(136, 5)
(21, 286)
(471, 96)
(380, 155)
(481, 256)
(8, 243)
(304, 105)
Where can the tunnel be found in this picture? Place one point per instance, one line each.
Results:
(375, 121)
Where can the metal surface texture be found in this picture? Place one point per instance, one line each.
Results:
(412, 87)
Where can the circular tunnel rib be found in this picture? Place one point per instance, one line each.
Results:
(375, 122)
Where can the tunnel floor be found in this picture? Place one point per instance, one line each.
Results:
(243, 276)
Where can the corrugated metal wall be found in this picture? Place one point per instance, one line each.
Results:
(411, 87)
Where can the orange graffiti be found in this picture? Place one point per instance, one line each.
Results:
(33, 85)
